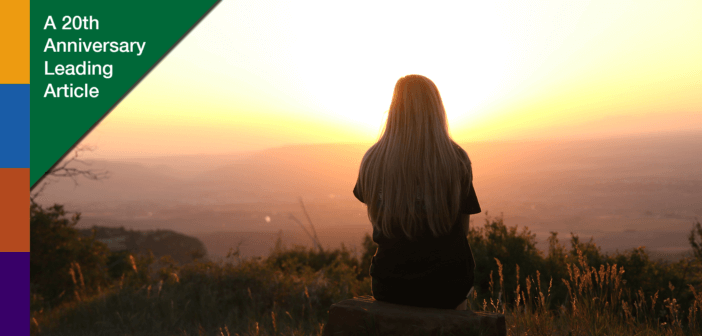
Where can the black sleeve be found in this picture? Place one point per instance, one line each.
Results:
(469, 200)
(357, 191)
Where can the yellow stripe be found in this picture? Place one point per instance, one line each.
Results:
(14, 39)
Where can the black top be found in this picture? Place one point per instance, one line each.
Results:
(427, 271)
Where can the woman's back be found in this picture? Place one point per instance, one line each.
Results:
(431, 272)
(417, 184)
(428, 270)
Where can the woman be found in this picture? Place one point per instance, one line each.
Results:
(417, 185)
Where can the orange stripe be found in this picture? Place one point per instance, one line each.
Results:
(14, 39)
(14, 207)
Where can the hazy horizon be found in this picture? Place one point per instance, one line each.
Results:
(99, 153)
(623, 191)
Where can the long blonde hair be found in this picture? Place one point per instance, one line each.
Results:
(412, 176)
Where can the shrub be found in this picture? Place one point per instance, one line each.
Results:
(513, 250)
(63, 264)
(298, 257)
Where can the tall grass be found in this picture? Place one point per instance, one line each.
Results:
(290, 291)
(598, 303)
(287, 293)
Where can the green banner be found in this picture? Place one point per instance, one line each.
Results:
(85, 56)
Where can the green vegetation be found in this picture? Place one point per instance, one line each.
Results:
(78, 288)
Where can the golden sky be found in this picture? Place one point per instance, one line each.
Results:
(259, 74)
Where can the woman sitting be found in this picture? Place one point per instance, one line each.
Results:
(418, 186)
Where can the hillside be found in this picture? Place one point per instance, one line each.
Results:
(180, 247)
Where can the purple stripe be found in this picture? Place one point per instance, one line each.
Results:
(14, 293)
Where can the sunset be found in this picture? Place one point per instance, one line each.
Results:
(399, 167)
(264, 74)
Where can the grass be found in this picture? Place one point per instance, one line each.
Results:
(245, 297)
(290, 291)
(597, 303)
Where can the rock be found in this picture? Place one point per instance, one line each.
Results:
(366, 316)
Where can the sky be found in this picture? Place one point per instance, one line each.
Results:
(261, 74)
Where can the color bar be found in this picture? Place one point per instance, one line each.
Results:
(14, 168)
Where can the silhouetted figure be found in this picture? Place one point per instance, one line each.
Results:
(418, 186)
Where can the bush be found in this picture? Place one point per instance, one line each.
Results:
(290, 291)
(513, 248)
(298, 257)
(516, 251)
(63, 265)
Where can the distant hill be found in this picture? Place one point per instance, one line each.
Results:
(623, 191)
(180, 247)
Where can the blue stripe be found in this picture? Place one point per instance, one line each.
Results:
(14, 125)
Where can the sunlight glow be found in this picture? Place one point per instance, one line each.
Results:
(260, 74)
